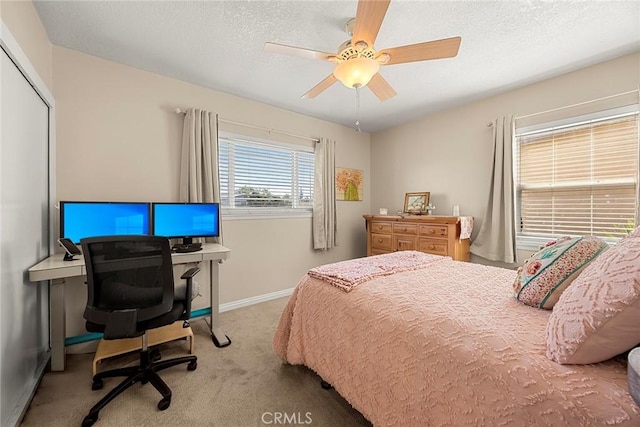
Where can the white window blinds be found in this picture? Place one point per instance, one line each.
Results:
(580, 178)
(258, 178)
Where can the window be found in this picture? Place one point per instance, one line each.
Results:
(265, 178)
(579, 177)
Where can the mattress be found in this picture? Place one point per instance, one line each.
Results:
(445, 345)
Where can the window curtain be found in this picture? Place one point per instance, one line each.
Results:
(199, 177)
(496, 238)
(324, 196)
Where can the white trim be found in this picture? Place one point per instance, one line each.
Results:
(17, 55)
(232, 214)
(604, 98)
(9, 44)
(271, 143)
(12, 48)
(20, 410)
(255, 300)
(580, 120)
(535, 243)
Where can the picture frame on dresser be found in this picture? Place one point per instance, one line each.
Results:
(416, 203)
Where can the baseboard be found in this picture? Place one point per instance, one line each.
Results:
(19, 411)
(255, 300)
(233, 305)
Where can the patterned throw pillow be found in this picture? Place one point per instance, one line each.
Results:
(548, 272)
(598, 316)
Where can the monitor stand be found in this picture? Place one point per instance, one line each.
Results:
(187, 245)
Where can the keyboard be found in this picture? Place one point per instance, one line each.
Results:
(189, 247)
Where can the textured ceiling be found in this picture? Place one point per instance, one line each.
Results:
(219, 44)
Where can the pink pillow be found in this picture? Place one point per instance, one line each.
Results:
(598, 316)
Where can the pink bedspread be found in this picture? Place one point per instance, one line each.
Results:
(346, 275)
(445, 345)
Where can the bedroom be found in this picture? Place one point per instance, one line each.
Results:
(131, 104)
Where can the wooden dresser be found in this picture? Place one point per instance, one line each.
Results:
(434, 234)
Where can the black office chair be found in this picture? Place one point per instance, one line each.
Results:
(131, 290)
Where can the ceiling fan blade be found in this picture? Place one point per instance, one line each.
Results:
(298, 51)
(320, 87)
(381, 88)
(437, 49)
(369, 18)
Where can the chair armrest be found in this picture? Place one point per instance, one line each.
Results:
(190, 273)
(188, 276)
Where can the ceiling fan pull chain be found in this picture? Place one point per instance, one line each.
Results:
(358, 109)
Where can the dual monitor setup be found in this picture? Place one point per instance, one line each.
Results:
(172, 220)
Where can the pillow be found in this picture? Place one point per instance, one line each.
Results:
(598, 316)
(548, 272)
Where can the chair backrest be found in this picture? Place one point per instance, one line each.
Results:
(129, 278)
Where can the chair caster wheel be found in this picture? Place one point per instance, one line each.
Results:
(89, 420)
(96, 385)
(192, 366)
(164, 403)
(325, 385)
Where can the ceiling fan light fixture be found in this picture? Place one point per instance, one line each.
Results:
(356, 72)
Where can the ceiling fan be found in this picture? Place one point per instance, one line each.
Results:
(358, 62)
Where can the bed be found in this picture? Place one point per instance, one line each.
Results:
(444, 343)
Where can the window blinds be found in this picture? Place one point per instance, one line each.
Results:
(579, 179)
(258, 176)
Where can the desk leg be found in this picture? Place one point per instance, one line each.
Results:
(220, 339)
(58, 324)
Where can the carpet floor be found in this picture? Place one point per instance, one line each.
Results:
(243, 385)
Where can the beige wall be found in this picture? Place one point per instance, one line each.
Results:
(449, 153)
(118, 138)
(24, 23)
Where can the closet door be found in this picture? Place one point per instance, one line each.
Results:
(24, 236)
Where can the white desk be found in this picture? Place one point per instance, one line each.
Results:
(56, 270)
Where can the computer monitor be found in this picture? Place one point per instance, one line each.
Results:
(186, 220)
(90, 219)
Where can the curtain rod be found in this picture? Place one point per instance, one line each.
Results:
(181, 111)
(578, 104)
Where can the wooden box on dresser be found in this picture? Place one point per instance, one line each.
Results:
(434, 234)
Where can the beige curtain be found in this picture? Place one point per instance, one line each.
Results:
(199, 178)
(324, 196)
(496, 238)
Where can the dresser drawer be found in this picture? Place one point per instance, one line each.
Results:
(433, 231)
(379, 252)
(404, 243)
(381, 227)
(381, 241)
(400, 228)
(436, 247)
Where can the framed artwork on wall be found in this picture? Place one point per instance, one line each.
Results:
(349, 183)
(416, 203)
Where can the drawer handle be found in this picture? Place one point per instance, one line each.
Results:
(404, 229)
(432, 247)
(432, 231)
(379, 240)
(379, 227)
